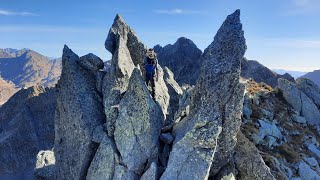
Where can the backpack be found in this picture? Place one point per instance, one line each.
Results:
(151, 65)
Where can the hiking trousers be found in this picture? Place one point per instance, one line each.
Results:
(150, 80)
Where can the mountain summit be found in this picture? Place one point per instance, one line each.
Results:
(107, 125)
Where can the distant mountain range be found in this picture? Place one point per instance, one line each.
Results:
(295, 74)
(314, 76)
(25, 68)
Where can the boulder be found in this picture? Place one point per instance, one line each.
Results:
(104, 162)
(269, 129)
(166, 138)
(216, 104)
(175, 93)
(249, 162)
(151, 173)
(45, 165)
(314, 149)
(311, 161)
(79, 111)
(306, 173)
(90, 62)
(138, 126)
(299, 101)
(299, 119)
(227, 172)
(309, 88)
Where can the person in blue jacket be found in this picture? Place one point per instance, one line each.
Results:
(151, 63)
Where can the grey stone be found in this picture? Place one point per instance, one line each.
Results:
(184, 105)
(138, 126)
(295, 178)
(135, 47)
(166, 138)
(98, 134)
(299, 119)
(306, 173)
(175, 93)
(309, 88)
(45, 165)
(311, 161)
(127, 52)
(249, 162)
(314, 149)
(79, 111)
(246, 111)
(116, 81)
(151, 173)
(161, 94)
(90, 62)
(99, 78)
(217, 95)
(271, 141)
(269, 129)
(267, 114)
(227, 172)
(26, 127)
(299, 101)
(104, 162)
(256, 139)
(121, 173)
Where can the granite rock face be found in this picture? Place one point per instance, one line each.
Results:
(310, 89)
(249, 162)
(26, 127)
(127, 52)
(175, 92)
(79, 111)
(138, 126)
(182, 58)
(104, 162)
(91, 62)
(299, 101)
(216, 96)
(45, 165)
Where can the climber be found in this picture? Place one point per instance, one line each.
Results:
(151, 63)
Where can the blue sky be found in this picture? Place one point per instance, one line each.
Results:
(280, 34)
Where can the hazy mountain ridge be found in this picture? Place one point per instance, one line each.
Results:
(295, 74)
(29, 68)
(26, 68)
(314, 76)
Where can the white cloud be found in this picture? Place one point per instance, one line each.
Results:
(14, 13)
(176, 11)
(303, 7)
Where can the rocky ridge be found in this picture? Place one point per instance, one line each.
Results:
(107, 125)
(25, 68)
(26, 127)
(314, 76)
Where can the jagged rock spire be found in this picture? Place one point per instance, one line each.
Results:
(79, 111)
(138, 126)
(216, 104)
(127, 53)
